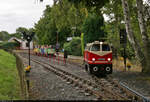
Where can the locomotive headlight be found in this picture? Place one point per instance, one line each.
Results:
(93, 59)
(109, 59)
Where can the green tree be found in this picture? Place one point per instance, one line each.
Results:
(60, 18)
(4, 35)
(93, 28)
(91, 5)
(74, 46)
(19, 32)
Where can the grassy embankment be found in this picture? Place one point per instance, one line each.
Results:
(9, 79)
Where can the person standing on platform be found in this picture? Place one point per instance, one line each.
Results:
(65, 56)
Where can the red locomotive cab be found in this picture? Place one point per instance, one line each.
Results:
(98, 58)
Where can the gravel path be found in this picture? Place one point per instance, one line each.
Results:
(47, 86)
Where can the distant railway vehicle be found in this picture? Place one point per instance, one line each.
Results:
(98, 58)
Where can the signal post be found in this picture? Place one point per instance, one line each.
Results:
(123, 42)
(28, 37)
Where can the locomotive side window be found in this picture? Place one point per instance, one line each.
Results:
(87, 48)
(95, 47)
(105, 47)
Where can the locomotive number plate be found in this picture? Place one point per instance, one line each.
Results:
(101, 59)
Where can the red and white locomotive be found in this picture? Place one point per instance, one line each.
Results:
(98, 58)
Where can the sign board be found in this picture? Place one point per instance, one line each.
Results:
(69, 38)
(73, 28)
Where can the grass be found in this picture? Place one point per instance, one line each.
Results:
(147, 78)
(118, 64)
(9, 79)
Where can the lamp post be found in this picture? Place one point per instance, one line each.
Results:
(73, 28)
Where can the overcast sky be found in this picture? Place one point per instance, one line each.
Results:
(20, 13)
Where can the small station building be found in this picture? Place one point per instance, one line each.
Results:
(23, 44)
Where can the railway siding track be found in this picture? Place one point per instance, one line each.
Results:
(129, 92)
(124, 93)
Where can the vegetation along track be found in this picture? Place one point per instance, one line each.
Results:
(103, 88)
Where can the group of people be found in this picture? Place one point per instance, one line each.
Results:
(44, 50)
(48, 50)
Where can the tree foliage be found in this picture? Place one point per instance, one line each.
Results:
(93, 28)
(59, 19)
(4, 36)
(91, 5)
(74, 47)
(87, 17)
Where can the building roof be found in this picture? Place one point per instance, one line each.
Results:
(14, 38)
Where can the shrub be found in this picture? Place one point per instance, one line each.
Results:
(8, 45)
(74, 47)
(67, 47)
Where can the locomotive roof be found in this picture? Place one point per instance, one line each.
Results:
(96, 42)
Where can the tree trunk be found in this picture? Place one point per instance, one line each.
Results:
(131, 36)
(145, 38)
(55, 1)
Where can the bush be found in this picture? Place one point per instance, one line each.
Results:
(129, 52)
(67, 47)
(74, 47)
(8, 45)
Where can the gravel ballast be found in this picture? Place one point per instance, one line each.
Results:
(131, 79)
(45, 85)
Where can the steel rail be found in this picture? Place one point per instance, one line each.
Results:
(58, 72)
(140, 97)
(116, 96)
(144, 99)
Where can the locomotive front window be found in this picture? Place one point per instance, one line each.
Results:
(95, 47)
(105, 47)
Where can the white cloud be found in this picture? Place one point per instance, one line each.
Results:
(20, 13)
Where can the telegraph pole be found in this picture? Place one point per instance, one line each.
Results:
(57, 38)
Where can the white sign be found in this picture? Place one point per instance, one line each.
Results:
(69, 38)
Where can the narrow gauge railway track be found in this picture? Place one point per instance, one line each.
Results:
(113, 85)
(115, 89)
(93, 88)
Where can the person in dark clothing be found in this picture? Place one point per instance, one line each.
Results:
(65, 56)
(57, 48)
